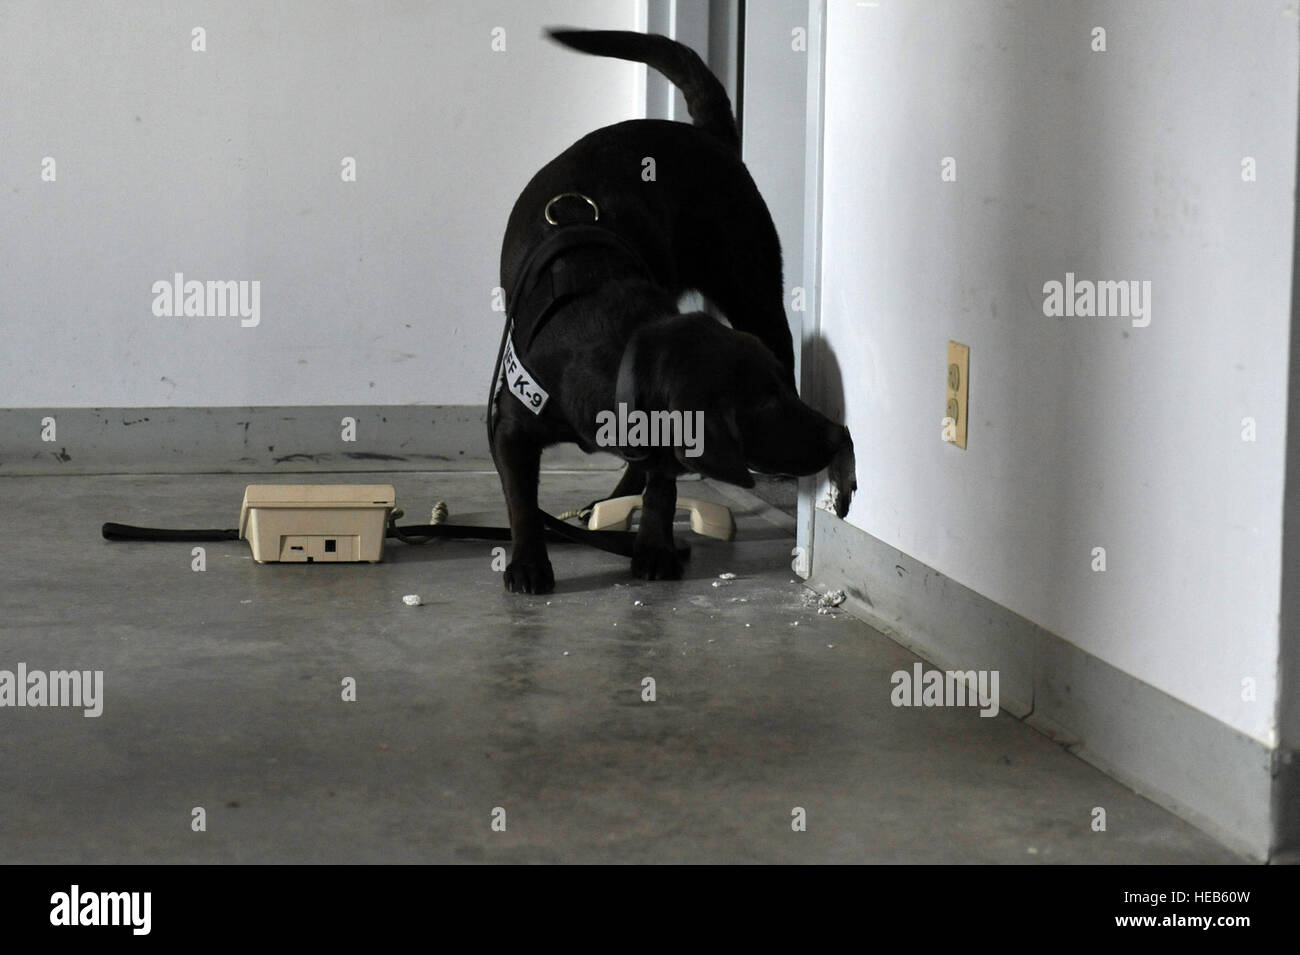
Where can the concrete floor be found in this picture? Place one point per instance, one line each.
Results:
(222, 690)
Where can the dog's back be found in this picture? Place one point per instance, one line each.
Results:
(695, 214)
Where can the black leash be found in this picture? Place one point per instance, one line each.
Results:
(557, 532)
(615, 542)
(125, 532)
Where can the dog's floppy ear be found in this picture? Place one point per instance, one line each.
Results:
(721, 456)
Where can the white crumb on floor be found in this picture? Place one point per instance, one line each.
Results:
(411, 600)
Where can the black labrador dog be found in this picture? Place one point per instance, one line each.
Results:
(599, 249)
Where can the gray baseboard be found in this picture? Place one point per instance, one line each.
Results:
(1215, 777)
(262, 440)
(1286, 806)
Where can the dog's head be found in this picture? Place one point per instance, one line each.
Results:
(751, 418)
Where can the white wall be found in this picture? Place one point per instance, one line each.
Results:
(226, 165)
(1087, 431)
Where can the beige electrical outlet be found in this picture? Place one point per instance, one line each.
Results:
(958, 405)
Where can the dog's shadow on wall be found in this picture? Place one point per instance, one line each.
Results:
(822, 378)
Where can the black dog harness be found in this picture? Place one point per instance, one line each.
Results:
(545, 283)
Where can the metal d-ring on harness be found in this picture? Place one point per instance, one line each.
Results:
(550, 219)
(540, 289)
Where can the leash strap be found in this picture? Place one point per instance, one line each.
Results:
(125, 532)
(557, 532)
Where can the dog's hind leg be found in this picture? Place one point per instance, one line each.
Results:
(654, 556)
(519, 458)
(630, 484)
(632, 481)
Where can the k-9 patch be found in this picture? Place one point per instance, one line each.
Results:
(515, 377)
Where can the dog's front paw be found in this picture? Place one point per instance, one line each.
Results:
(527, 576)
(656, 563)
(842, 473)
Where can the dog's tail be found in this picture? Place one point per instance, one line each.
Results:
(705, 97)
